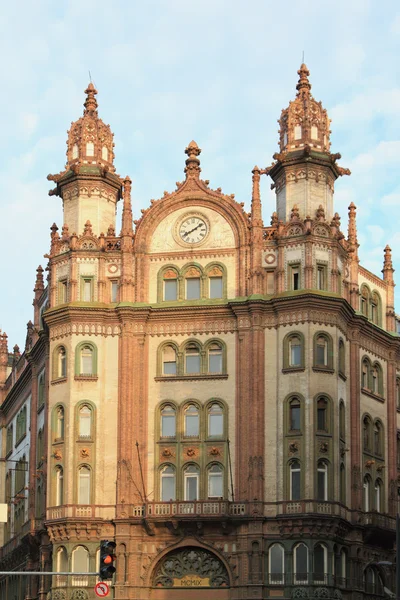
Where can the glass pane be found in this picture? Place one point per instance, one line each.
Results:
(321, 419)
(84, 486)
(168, 425)
(319, 561)
(294, 417)
(215, 361)
(80, 560)
(216, 287)
(321, 353)
(86, 361)
(215, 485)
(87, 290)
(295, 354)
(193, 288)
(169, 368)
(114, 291)
(301, 562)
(295, 475)
(85, 418)
(170, 289)
(193, 363)
(321, 483)
(276, 563)
(215, 425)
(191, 425)
(191, 487)
(167, 487)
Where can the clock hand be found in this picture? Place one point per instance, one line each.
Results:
(191, 231)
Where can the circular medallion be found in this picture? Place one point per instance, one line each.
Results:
(112, 268)
(192, 229)
(269, 258)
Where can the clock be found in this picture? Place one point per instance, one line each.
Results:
(193, 229)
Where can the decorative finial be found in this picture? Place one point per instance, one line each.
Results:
(90, 103)
(127, 208)
(303, 86)
(352, 229)
(192, 168)
(387, 264)
(39, 285)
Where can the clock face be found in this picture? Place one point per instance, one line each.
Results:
(193, 229)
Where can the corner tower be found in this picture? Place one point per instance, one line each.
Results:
(89, 186)
(305, 170)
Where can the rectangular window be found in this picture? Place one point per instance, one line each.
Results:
(114, 291)
(63, 291)
(270, 283)
(193, 363)
(191, 493)
(297, 132)
(295, 355)
(215, 362)
(87, 289)
(84, 489)
(321, 419)
(193, 288)
(216, 287)
(170, 289)
(215, 425)
(169, 368)
(322, 279)
(295, 418)
(167, 489)
(191, 425)
(321, 483)
(215, 485)
(168, 425)
(295, 277)
(295, 485)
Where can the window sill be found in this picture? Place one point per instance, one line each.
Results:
(58, 380)
(84, 438)
(372, 394)
(342, 376)
(23, 436)
(293, 369)
(58, 441)
(323, 369)
(190, 377)
(86, 378)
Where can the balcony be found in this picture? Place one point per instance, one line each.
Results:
(80, 511)
(198, 508)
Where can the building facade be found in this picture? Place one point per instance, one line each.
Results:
(218, 396)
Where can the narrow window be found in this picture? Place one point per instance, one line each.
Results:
(84, 485)
(85, 422)
(215, 358)
(378, 495)
(41, 391)
(364, 376)
(75, 151)
(62, 362)
(90, 149)
(62, 566)
(169, 360)
(86, 360)
(398, 393)
(192, 359)
(59, 499)
(366, 493)
(322, 410)
(322, 481)
(342, 357)
(301, 564)
(63, 291)
(270, 282)
(168, 484)
(104, 153)
(297, 132)
(295, 480)
(294, 416)
(191, 421)
(342, 484)
(191, 479)
(295, 277)
(367, 433)
(170, 289)
(322, 277)
(314, 132)
(321, 351)
(87, 289)
(168, 422)
(80, 564)
(378, 438)
(276, 564)
(374, 374)
(60, 423)
(193, 288)
(320, 563)
(114, 291)
(342, 421)
(215, 421)
(295, 351)
(215, 482)
(216, 287)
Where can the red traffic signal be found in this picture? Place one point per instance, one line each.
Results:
(107, 558)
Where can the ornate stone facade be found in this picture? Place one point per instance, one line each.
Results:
(218, 396)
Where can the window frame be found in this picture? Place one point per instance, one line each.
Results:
(78, 350)
(287, 366)
(328, 366)
(272, 579)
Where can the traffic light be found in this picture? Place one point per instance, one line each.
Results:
(107, 558)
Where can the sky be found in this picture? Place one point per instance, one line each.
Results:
(169, 71)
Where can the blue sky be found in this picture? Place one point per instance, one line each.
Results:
(171, 71)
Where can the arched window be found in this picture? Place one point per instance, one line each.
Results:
(215, 352)
(365, 300)
(342, 358)
(192, 421)
(80, 564)
(300, 567)
(167, 483)
(342, 421)
(378, 441)
(377, 379)
(314, 132)
(85, 422)
(321, 351)
(215, 482)
(192, 358)
(216, 282)
(367, 426)
(59, 495)
(297, 132)
(168, 421)
(191, 477)
(294, 415)
(293, 351)
(61, 362)
(170, 285)
(378, 495)
(376, 308)
(75, 151)
(342, 484)
(343, 565)
(295, 480)
(365, 369)
(367, 493)
(62, 566)
(276, 556)
(322, 481)
(104, 153)
(193, 284)
(84, 477)
(86, 359)
(322, 415)
(40, 448)
(41, 390)
(215, 421)
(59, 423)
(169, 361)
(89, 149)
(320, 563)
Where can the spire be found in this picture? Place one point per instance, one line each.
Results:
(352, 229)
(388, 264)
(39, 284)
(126, 228)
(192, 168)
(256, 217)
(3, 358)
(303, 86)
(90, 103)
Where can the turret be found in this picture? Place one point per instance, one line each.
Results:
(388, 277)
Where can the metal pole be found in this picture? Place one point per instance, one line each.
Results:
(37, 573)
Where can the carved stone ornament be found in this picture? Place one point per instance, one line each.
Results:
(322, 592)
(293, 447)
(299, 593)
(191, 452)
(57, 595)
(214, 451)
(84, 453)
(167, 453)
(323, 447)
(191, 567)
(215, 272)
(57, 455)
(79, 595)
(112, 268)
